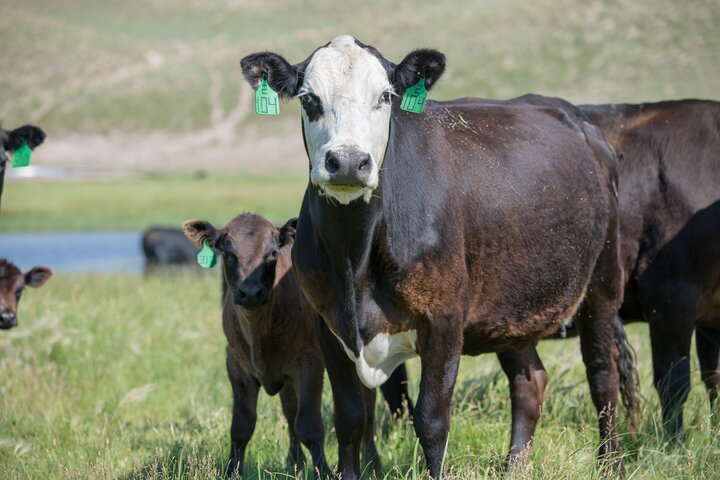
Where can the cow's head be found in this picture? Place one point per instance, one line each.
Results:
(12, 283)
(345, 89)
(249, 246)
(10, 140)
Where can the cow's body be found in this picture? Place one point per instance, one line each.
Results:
(11, 140)
(669, 185)
(12, 284)
(272, 338)
(167, 246)
(490, 224)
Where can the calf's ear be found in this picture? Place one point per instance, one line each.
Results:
(198, 231)
(37, 276)
(281, 76)
(419, 63)
(287, 232)
(29, 134)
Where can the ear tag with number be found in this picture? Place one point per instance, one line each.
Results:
(206, 257)
(21, 156)
(266, 100)
(414, 97)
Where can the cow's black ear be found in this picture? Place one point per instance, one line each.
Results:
(198, 231)
(287, 232)
(420, 63)
(29, 134)
(37, 276)
(281, 76)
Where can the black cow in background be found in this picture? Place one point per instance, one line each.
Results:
(11, 140)
(164, 246)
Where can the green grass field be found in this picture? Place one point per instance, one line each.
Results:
(123, 377)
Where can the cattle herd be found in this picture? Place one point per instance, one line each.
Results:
(456, 228)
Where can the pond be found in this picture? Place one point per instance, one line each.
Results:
(75, 252)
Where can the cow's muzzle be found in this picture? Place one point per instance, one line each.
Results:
(348, 169)
(8, 319)
(251, 296)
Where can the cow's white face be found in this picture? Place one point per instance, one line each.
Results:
(345, 100)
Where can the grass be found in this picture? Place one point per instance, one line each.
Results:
(137, 202)
(120, 376)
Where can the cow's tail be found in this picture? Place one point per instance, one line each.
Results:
(629, 380)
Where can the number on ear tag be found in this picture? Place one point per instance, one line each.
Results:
(414, 97)
(21, 156)
(266, 100)
(206, 257)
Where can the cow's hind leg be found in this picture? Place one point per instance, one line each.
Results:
(527, 378)
(600, 352)
(708, 349)
(245, 393)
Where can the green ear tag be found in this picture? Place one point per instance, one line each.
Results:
(414, 97)
(206, 257)
(266, 100)
(21, 156)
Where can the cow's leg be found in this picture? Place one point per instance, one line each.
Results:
(371, 458)
(671, 326)
(308, 421)
(708, 349)
(289, 402)
(349, 403)
(527, 378)
(395, 392)
(440, 350)
(600, 352)
(245, 393)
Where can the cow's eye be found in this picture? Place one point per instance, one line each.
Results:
(273, 255)
(18, 292)
(385, 97)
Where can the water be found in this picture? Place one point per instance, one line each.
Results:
(106, 252)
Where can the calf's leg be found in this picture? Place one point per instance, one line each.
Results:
(245, 392)
(527, 378)
(395, 392)
(296, 457)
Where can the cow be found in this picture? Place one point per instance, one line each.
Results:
(167, 246)
(12, 284)
(469, 228)
(669, 186)
(11, 140)
(272, 339)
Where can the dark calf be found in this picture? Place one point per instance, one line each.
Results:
(272, 337)
(11, 140)
(12, 284)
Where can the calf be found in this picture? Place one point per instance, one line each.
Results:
(11, 140)
(12, 284)
(470, 228)
(272, 338)
(167, 246)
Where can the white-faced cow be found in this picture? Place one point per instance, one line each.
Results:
(272, 338)
(469, 228)
(11, 140)
(12, 284)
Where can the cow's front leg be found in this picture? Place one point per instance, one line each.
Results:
(349, 403)
(440, 350)
(527, 378)
(245, 393)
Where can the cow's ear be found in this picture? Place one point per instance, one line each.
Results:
(420, 63)
(198, 231)
(287, 232)
(281, 76)
(29, 134)
(37, 276)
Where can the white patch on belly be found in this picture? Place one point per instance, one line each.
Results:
(380, 357)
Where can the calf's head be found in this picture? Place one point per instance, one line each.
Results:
(12, 284)
(345, 89)
(249, 246)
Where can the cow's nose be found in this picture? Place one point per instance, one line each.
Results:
(8, 319)
(251, 296)
(348, 168)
